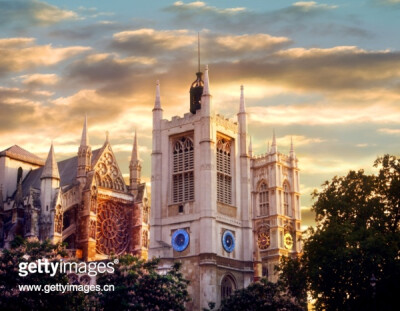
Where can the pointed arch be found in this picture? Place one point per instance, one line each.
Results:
(228, 286)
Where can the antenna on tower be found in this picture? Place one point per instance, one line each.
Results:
(198, 50)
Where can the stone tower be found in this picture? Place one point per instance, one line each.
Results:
(276, 209)
(201, 207)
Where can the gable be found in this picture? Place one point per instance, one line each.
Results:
(106, 170)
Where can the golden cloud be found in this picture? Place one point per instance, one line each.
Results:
(17, 54)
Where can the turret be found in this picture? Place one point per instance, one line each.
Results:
(134, 166)
(50, 182)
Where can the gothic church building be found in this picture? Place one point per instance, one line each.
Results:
(82, 201)
(226, 214)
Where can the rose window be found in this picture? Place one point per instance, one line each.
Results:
(112, 229)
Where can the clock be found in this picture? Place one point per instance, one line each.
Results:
(228, 241)
(288, 240)
(263, 240)
(180, 240)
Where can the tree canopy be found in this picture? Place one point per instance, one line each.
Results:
(138, 286)
(351, 259)
(260, 296)
(12, 298)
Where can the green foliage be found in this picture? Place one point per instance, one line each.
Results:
(138, 286)
(294, 278)
(29, 251)
(261, 296)
(357, 236)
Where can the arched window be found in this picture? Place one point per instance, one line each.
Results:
(286, 199)
(227, 286)
(224, 174)
(183, 170)
(264, 199)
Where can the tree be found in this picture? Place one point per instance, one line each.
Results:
(138, 286)
(293, 278)
(11, 298)
(352, 258)
(261, 296)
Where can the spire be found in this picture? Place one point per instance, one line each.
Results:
(268, 149)
(250, 148)
(134, 166)
(292, 154)
(50, 169)
(242, 104)
(274, 148)
(198, 51)
(85, 136)
(135, 155)
(206, 89)
(157, 104)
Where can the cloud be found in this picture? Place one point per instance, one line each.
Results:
(312, 5)
(18, 54)
(305, 16)
(203, 7)
(389, 131)
(39, 79)
(146, 40)
(33, 12)
(314, 114)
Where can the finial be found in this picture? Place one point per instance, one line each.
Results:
(292, 154)
(274, 148)
(157, 103)
(107, 136)
(268, 149)
(198, 51)
(241, 109)
(206, 89)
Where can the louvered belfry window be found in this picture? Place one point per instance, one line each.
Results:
(183, 170)
(286, 199)
(224, 174)
(264, 199)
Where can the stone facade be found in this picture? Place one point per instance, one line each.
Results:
(82, 201)
(206, 190)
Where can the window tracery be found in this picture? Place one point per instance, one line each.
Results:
(112, 228)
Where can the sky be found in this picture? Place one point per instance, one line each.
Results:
(325, 73)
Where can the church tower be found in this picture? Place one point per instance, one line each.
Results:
(201, 204)
(276, 209)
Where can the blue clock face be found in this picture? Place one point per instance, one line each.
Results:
(180, 240)
(228, 241)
